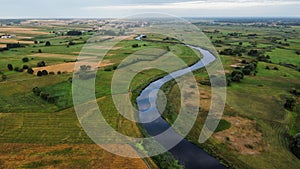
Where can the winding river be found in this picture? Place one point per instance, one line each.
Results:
(192, 156)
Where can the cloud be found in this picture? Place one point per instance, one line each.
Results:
(204, 4)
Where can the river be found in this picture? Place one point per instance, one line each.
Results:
(187, 153)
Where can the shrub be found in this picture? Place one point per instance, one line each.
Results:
(48, 43)
(10, 67)
(25, 67)
(237, 76)
(41, 64)
(290, 104)
(45, 72)
(40, 51)
(37, 91)
(223, 125)
(44, 96)
(295, 147)
(246, 71)
(30, 71)
(25, 59)
(74, 33)
(51, 73)
(59, 72)
(16, 69)
(135, 45)
(39, 73)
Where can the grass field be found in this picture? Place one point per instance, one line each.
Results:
(252, 133)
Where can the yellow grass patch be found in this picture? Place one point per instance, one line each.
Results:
(242, 136)
(65, 156)
(18, 30)
(69, 67)
(15, 41)
(2, 45)
(51, 55)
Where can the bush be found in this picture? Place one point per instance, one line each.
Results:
(16, 69)
(59, 72)
(41, 64)
(39, 73)
(25, 59)
(48, 43)
(237, 76)
(295, 147)
(25, 67)
(30, 71)
(74, 33)
(10, 67)
(51, 73)
(40, 51)
(45, 72)
(223, 125)
(44, 96)
(246, 71)
(290, 104)
(135, 45)
(37, 91)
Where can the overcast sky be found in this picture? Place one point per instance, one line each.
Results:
(121, 8)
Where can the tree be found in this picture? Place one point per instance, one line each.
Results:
(30, 71)
(25, 67)
(48, 43)
(74, 33)
(37, 91)
(40, 51)
(295, 147)
(45, 72)
(39, 73)
(290, 104)
(246, 71)
(25, 59)
(10, 67)
(41, 64)
(135, 45)
(237, 76)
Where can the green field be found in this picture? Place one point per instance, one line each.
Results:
(255, 132)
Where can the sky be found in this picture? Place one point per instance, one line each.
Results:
(122, 8)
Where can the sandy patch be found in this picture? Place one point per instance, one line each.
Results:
(15, 41)
(51, 55)
(69, 67)
(2, 45)
(18, 30)
(103, 47)
(242, 137)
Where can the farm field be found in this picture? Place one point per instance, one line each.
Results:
(39, 127)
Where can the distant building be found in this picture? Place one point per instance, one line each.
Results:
(140, 37)
(6, 36)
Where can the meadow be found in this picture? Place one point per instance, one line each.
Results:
(255, 131)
